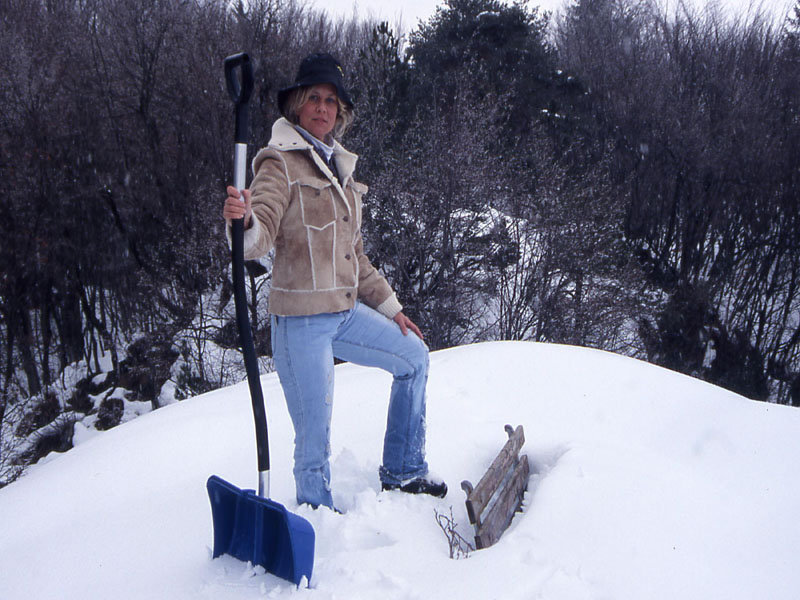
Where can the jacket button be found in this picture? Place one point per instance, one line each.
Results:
(347, 257)
(345, 218)
(349, 295)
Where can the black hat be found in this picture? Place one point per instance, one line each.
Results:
(317, 68)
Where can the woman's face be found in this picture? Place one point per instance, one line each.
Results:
(318, 114)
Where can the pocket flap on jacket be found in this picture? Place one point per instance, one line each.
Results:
(316, 183)
(316, 203)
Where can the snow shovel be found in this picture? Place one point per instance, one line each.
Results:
(250, 526)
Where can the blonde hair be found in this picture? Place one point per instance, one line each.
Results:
(299, 96)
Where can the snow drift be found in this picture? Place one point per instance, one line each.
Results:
(645, 484)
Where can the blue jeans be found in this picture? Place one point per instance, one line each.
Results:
(304, 348)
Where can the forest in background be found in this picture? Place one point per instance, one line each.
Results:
(617, 177)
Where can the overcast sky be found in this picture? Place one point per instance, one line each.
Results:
(411, 11)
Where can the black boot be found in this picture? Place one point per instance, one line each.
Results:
(419, 486)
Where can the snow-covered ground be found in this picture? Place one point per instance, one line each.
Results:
(646, 484)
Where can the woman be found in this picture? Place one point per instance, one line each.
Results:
(326, 299)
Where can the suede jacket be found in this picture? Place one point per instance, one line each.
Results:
(314, 224)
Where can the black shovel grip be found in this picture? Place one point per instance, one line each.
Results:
(240, 89)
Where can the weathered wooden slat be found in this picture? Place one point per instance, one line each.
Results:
(479, 496)
(502, 511)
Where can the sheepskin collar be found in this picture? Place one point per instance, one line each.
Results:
(286, 138)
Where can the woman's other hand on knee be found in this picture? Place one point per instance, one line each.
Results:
(407, 324)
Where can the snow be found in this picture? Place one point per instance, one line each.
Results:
(645, 484)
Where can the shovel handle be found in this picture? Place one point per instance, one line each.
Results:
(240, 87)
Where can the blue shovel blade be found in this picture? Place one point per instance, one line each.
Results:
(259, 530)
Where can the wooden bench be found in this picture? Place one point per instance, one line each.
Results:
(492, 503)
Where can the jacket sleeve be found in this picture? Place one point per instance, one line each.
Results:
(269, 194)
(373, 289)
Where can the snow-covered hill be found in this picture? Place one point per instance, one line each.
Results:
(647, 485)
